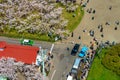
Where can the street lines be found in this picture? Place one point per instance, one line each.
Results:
(53, 74)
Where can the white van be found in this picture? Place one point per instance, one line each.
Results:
(76, 66)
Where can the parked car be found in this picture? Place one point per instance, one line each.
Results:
(26, 42)
(75, 49)
(83, 51)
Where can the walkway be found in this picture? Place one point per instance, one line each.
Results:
(102, 15)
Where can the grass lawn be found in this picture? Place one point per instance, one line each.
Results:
(99, 72)
(14, 34)
(73, 21)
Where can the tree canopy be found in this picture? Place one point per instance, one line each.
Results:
(111, 59)
(10, 68)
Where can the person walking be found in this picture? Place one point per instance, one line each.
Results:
(72, 34)
(94, 11)
(79, 37)
(102, 35)
(101, 30)
(110, 7)
(115, 28)
(93, 18)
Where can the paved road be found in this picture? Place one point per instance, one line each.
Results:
(62, 59)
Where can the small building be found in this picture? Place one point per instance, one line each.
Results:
(26, 54)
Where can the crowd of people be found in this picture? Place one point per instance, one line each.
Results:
(87, 61)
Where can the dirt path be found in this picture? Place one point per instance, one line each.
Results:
(102, 15)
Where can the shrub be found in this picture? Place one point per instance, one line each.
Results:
(112, 59)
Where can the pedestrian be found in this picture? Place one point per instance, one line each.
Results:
(88, 10)
(76, 78)
(70, 73)
(113, 43)
(84, 30)
(107, 42)
(117, 22)
(87, 1)
(81, 77)
(68, 49)
(49, 64)
(51, 56)
(98, 26)
(97, 43)
(93, 18)
(101, 30)
(80, 3)
(94, 39)
(92, 46)
(115, 28)
(102, 35)
(110, 7)
(94, 11)
(107, 23)
(90, 31)
(72, 34)
(79, 37)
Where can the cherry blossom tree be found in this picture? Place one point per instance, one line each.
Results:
(9, 68)
(32, 16)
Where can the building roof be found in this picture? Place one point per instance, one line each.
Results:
(2, 44)
(26, 54)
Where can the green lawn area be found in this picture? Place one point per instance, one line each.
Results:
(73, 21)
(14, 34)
(99, 72)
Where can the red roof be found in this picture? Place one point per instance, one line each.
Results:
(2, 44)
(26, 54)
